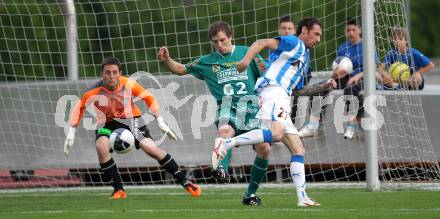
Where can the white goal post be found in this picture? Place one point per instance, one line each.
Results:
(51, 52)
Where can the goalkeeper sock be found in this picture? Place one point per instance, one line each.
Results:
(250, 138)
(297, 172)
(258, 171)
(111, 173)
(170, 165)
(225, 161)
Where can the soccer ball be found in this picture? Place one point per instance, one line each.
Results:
(121, 141)
(344, 63)
(400, 71)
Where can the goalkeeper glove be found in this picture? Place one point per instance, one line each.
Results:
(68, 143)
(165, 128)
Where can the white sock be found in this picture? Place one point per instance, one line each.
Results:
(313, 124)
(297, 172)
(252, 137)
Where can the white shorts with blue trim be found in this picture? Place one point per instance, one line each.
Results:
(275, 105)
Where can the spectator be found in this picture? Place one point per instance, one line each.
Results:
(352, 49)
(418, 63)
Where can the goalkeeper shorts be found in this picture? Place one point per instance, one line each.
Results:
(112, 125)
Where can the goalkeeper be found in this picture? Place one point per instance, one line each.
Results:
(109, 97)
(228, 86)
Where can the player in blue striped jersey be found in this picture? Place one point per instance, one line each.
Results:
(287, 65)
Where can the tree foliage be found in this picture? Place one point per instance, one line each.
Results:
(34, 44)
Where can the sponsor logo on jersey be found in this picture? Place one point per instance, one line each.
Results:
(231, 74)
(229, 64)
(215, 68)
(260, 64)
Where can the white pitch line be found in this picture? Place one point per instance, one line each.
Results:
(134, 193)
(183, 193)
(385, 186)
(311, 209)
(164, 193)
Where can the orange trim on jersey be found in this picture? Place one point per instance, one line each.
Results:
(261, 65)
(118, 103)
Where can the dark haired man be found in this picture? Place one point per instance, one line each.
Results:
(287, 65)
(350, 82)
(229, 86)
(286, 26)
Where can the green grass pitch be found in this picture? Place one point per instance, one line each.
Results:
(224, 203)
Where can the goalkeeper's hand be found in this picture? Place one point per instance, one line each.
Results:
(165, 128)
(70, 138)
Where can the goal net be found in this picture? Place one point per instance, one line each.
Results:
(36, 97)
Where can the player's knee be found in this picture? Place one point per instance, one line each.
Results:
(102, 146)
(277, 129)
(263, 150)
(148, 146)
(277, 133)
(226, 131)
(103, 151)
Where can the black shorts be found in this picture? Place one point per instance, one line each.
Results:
(109, 127)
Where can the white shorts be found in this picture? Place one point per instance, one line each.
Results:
(275, 105)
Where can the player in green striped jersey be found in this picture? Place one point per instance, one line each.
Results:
(233, 90)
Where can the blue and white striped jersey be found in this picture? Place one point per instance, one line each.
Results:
(307, 73)
(286, 65)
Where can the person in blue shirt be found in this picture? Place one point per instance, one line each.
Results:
(418, 63)
(287, 63)
(350, 82)
(286, 27)
(352, 48)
